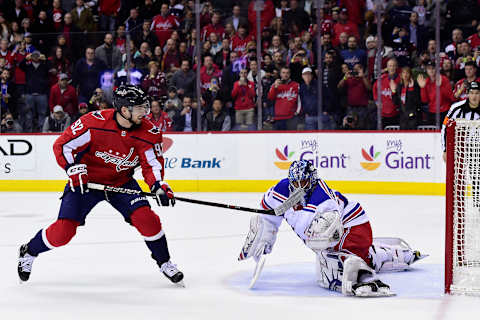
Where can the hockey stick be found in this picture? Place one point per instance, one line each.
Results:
(292, 200)
(258, 269)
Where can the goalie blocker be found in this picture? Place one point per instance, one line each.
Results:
(336, 229)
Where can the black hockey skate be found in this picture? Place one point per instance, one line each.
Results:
(25, 261)
(171, 272)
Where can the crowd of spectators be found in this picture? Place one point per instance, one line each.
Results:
(61, 59)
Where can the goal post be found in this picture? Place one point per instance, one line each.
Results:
(462, 228)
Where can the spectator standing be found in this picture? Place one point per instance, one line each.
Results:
(56, 15)
(164, 24)
(474, 39)
(58, 121)
(217, 119)
(155, 83)
(8, 94)
(142, 57)
(58, 64)
(73, 38)
(109, 54)
(390, 111)
(296, 15)
(309, 98)
(171, 58)
(240, 40)
(82, 17)
(208, 71)
(86, 75)
(266, 15)
(344, 26)
(146, 35)
(353, 54)
(36, 73)
(108, 11)
(64, 94)
(184, 79)
(428, 93)
(357, 87)
(17, 13)
(406, 96)
(214, 27)
(43, 29)
(284, 92)
(244, 97)
(236, 20)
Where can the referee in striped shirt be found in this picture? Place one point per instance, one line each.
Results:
(466, 109)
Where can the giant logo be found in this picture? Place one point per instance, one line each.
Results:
(370, 164)
(284, 157)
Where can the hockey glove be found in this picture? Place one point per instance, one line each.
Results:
(78, 177)
(164, 195)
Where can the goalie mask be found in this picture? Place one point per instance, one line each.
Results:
(302, 174)
(130, 96)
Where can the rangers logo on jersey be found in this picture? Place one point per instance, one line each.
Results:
(122, 163)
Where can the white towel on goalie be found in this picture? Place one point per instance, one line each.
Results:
(322, 199)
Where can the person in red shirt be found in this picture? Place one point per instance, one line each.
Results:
(164, 24)
(244, 97)
(159, 118)
(266, 15)
(57, 15)
(461, 87)
(214, 27)
(240, 40)
(105, 147)
(390, 111)
(474, 39)
(284, 92)
(428, 93)
(65, 95)
(208, 71)
(108, 10)
(344, 25)
(355, 9)
(357, 86)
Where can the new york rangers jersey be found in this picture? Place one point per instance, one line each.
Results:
(321, 199)
(111, 152)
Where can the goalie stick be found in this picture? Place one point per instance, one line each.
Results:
(294, 198)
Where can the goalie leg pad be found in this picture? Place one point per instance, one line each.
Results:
(329, 270)
(147, 223)
(355, 271)
(392, 255)
(325, 231)
(260, 239)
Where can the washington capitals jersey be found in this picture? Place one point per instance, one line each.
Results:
(320, 199)
(111, 152)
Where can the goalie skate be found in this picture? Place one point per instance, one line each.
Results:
(258, 270)
(172, 273)
(25, 261)
(372, 289)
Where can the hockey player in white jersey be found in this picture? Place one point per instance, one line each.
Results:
(336, 229)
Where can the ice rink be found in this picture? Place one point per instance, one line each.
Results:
(106, 271)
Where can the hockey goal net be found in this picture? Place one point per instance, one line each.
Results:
(462, 238)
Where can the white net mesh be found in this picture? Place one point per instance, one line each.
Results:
(466, 209)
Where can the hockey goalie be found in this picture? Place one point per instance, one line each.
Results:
(336, 229)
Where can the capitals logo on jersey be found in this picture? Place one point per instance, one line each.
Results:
(122, 163)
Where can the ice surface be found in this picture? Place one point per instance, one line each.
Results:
(106, 271)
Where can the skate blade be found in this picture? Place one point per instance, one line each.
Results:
(257, 271)
(376, 295)
(180, 284)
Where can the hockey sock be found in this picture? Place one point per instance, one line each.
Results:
(57, 234)
(159, 249)
(37, 245)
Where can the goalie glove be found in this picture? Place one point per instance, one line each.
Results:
(324, 231)
(164, 195)
(78, 177)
